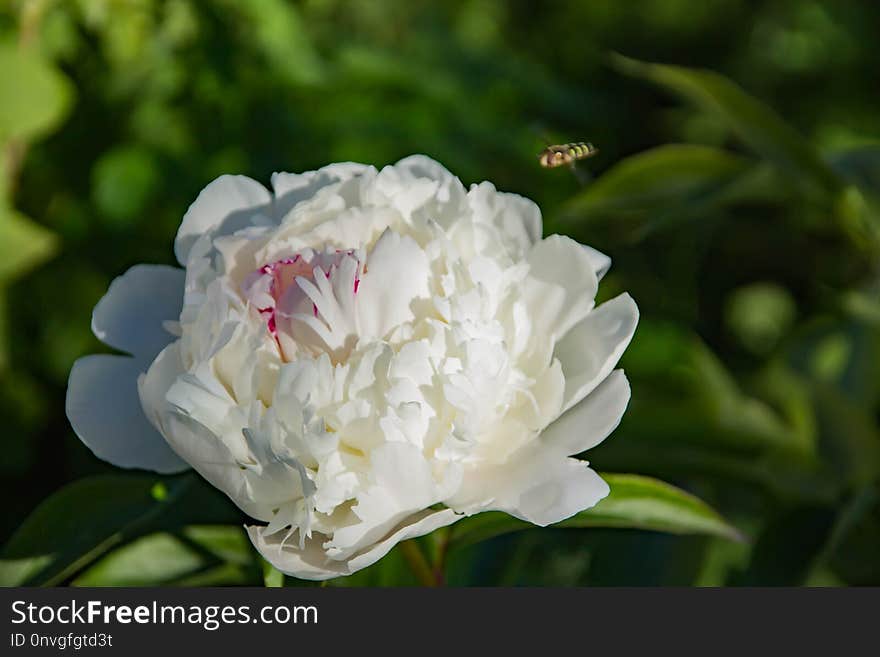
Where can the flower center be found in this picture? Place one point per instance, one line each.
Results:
(307, 299)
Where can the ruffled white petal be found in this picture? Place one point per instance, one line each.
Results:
(422, 166)
(516, 219)
(131, 316)
(312, 563)
(292, 188)
(214, 460)
(601, 262)
(104, 409)
(539, 484)
(593, 419)
(227, 204)
(153, 385)
(395, 277)
(561, 287)
(103, 403)
(403, 484)
(556, 492)
(591, 349)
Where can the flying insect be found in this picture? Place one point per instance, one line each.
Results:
(566, 154)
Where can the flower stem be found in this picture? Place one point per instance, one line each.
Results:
(442, 537)
(419, 565)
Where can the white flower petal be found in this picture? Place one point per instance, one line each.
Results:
(213, 460)
(403, 484)
(105, 411)
(291, 188)
(601, 262)
(539, 484)
(520, 486)
(153, 386)
(418, 525)
(312, 563)
(557, 492)
(227, 204)
(130, 316)
(591, 349)
(561, 287)
(593, 419)
(422, 166)
(516, 218)
(396, 275)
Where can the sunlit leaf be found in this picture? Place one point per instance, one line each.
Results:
(635, 502)
(83, 521)
(34, 96)
(167, 558)
(76, 525)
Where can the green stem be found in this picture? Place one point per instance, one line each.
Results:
(272, 577)
(419, 565)
(442, 536)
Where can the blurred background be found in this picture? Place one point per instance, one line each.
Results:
(739, 208)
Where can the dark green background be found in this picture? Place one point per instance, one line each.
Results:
(754, 260)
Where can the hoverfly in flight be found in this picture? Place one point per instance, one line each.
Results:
(560, 154)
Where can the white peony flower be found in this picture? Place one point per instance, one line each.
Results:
(360, 358)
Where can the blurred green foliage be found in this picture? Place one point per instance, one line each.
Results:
(736, 189)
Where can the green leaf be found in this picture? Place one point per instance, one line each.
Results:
(642, 502)
(167, 558)
(690, 398)
(278, 31)
(648, 189)
(81, 522)
(272, 577)
(635, 502)
(740, 418)
(34, 96)
(23, 243)
(756, 124)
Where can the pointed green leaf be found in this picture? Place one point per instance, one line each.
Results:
(690, 398)
(167, 558)
(756, 124)
(640, 502)
(76, 525)
(635, 502)
(644, 190)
